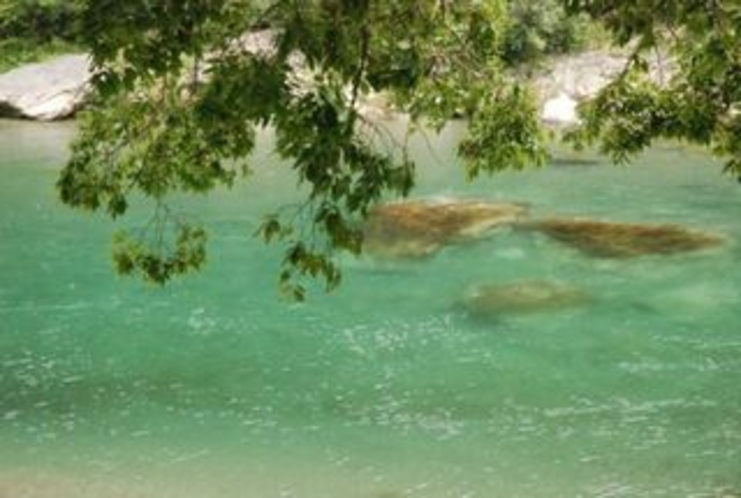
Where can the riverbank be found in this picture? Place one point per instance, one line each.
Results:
(58, 88)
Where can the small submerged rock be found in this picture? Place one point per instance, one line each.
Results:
(530, 296)
(624, 240)
(415, 229)
(574, 160)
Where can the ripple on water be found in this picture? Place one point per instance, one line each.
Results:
(212, 386)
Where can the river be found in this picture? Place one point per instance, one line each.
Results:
(215, 387)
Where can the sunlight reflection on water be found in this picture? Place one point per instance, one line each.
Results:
(387, 388)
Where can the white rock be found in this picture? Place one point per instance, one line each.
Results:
(560, 110)
(580, 77)
(46, 91)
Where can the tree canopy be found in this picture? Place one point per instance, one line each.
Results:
(33, 29)
(180, 95)
(697, 101)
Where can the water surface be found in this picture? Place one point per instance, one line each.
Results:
(214, 387)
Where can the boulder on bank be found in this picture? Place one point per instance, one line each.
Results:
(45, 91)
(414, 229)
(575, 78)
(581, 76)
(490, 301)
(624, 240)
(561, 110)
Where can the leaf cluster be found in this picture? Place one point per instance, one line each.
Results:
(697, 101)
(40, 21)
(538, 28)
(180, 95)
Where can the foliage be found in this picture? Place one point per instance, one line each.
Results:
(15, 52)
(39, 20)
(698, 102)
(32, 30)
(542, 27)
(179, 97)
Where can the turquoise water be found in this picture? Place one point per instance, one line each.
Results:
(214, 387)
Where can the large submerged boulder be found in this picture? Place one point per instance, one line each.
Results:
(419, 228)
(624, 240)
(45, 91)
(522, 297)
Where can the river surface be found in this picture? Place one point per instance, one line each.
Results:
(215, 387)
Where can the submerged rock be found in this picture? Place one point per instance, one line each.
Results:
(571, 160)
(494, 300)
(625, 240)
(419, 228)
(45, 91)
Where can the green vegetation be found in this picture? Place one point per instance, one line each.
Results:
(698, 103)
(158, 127)
(15, 52)
(32, 30)
(40, 20)
(538, 28)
